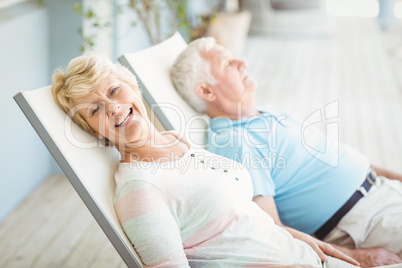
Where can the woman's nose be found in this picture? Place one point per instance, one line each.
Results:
(113, 108)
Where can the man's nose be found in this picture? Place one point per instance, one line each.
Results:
(242, 65)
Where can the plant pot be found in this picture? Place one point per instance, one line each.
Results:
(231, 30)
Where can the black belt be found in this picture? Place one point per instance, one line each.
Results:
(336, 218)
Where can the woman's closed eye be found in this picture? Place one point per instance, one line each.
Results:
(113, 91)
(96, 110)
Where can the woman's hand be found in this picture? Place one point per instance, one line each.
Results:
(321, 248)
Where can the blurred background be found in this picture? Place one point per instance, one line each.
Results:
(304, 54)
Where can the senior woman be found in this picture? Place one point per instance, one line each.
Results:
(179, 206)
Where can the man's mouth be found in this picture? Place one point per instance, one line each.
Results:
(124, 119)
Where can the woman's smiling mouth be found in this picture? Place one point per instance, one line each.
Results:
(125, 119)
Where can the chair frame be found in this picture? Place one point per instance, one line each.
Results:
(23, 101)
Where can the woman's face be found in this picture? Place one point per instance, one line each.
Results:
(115, 111)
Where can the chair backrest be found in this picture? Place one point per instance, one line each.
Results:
(151, 67)
(87, 164)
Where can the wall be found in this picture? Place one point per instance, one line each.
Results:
(30, 48)
(24, 65)
(64, 38)
(128, 38)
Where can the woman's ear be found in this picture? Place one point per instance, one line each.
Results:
(205, 92)
(97, 135)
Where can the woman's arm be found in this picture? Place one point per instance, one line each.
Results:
(147, 220)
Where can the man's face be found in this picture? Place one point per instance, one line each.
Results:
(233, 85)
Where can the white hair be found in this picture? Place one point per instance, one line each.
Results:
(190, 69)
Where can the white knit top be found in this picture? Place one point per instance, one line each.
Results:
(198, 211)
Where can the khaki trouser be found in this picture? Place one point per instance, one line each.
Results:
(375, 221)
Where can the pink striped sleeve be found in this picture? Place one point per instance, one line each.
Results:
(150, 224)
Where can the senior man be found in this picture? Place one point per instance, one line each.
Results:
(298, 189)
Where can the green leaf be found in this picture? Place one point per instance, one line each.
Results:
(90, 14)
(78, 8)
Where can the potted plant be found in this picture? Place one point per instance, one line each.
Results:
(160, 18)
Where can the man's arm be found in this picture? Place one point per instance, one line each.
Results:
(366, 257)
(386, 173)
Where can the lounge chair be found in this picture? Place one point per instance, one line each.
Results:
(87, 164)
(151, 67)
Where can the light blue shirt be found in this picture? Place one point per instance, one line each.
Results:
(309, 176)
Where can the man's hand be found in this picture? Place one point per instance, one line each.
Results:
(292, 266)
(321, 248)
(371, 257)
(386, 173)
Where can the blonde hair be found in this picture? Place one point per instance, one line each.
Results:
(190, 69)
(81, 77)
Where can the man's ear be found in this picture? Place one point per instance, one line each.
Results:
(205, 92)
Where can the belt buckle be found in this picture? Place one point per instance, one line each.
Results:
(371, 177)
(363, 191)
(370, 180)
